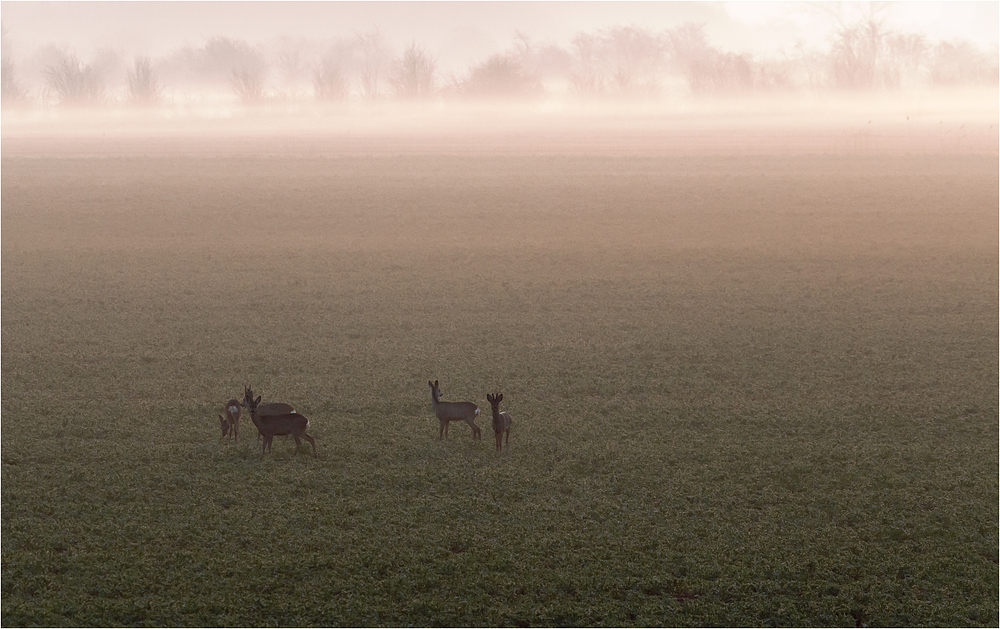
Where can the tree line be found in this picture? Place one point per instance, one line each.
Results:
(620, 62)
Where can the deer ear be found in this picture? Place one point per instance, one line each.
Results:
(500, 398)
(430, 384)
(257, 401)
(436, 383)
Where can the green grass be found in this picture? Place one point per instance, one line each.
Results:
(756, 391)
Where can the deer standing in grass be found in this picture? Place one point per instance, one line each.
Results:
(231, 421)
(226, 428)
(501, 420)
(271, 408)
(265, 410)
(448, 412)
(269, 426)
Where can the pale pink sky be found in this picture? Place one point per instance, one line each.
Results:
(461, 33)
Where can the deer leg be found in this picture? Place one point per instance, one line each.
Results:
(311, 441)
(298, 442)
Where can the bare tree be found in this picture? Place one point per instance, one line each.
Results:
(905, 55)
(247, 82)
(962, 63)
(232, 62)
(636, 58)
(623, 60)
(868, 55)
(500, 76)
(221, 54)
(374, 57)
(330, 76)
(855, 55)
(707, 69)
(291, 61)
(143, 88)
(586, 76)
(413, 73)
(329, 80)
(11, 92)
(541, 61)
(73, 82)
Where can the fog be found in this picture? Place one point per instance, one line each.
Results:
(359, 66)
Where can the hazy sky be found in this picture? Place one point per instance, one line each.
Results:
(461, 33)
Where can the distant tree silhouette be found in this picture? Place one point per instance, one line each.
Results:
(374, 58)
(543, 62)
(291, 61)
(586, 75)
(143, 88)
(706, 69)
(636, 57)
(413, 73)
(960, 62)
(247, 82)
(500, 76)
(329, 81)
(11, 92)
(624, 61)
(73, 82)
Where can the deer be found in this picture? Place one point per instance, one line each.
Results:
(271, 408)
(501, 420)
(265, 410)
(226, 428)
(294, 424)
(453, 411)
(231, 421)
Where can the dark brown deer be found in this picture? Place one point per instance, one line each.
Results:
(265, 410)
(448, 412)
(271, 408)
(231, 423)
(294, 424)
(501, 420)
(226, 428)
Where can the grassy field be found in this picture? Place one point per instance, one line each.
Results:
(745, 390)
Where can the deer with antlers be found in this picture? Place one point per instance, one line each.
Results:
(448, 412)
(271, 408)
(269, 426)
(265, 410)
(501, 420)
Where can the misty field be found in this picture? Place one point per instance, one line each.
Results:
(745, 390)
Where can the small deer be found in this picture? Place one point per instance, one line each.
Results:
(231, 422)
(268, 426)
(453, 411)
(227, 430)
(501, 421)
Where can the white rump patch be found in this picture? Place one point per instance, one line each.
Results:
(477, 411)
(234, 409)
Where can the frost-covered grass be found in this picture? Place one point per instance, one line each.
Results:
(745, 391)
